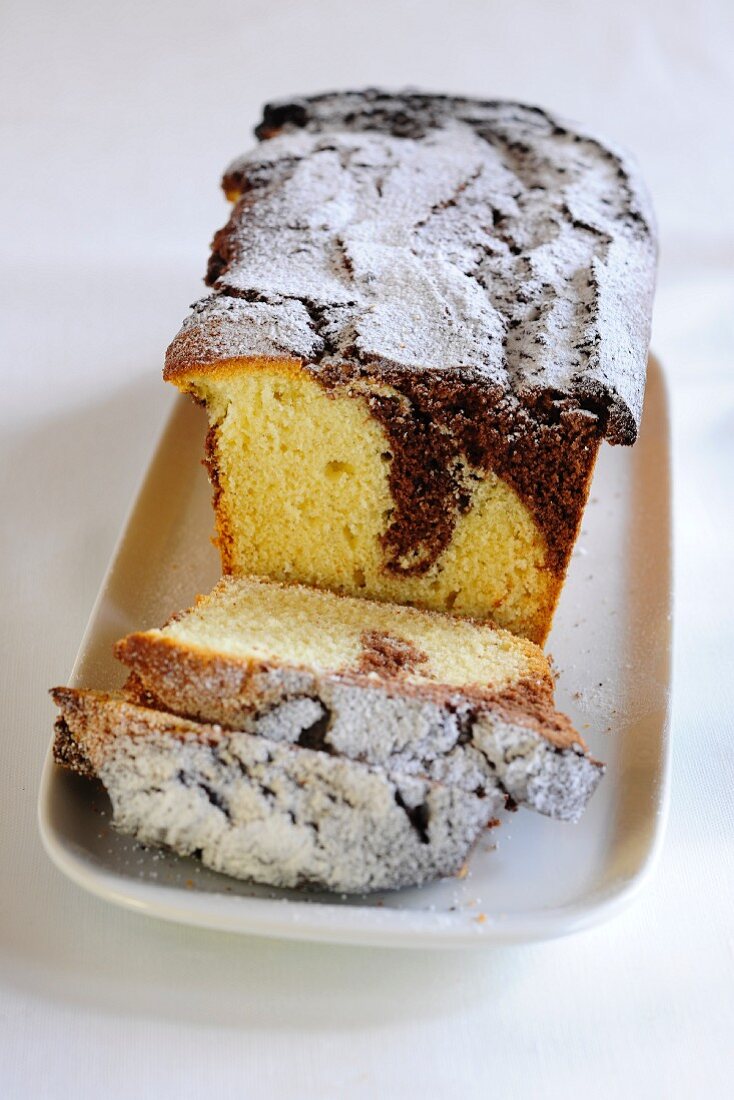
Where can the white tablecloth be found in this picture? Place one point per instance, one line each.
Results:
(116, 120)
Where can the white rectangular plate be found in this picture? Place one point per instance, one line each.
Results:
(532, 879)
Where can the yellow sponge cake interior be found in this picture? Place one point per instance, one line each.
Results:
(301, 476)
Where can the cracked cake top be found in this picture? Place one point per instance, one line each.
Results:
(407, 232)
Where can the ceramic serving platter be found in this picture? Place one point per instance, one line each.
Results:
(531, 879)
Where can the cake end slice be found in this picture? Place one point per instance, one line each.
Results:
(266, 811)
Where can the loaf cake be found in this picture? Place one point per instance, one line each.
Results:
(426, 314)
(263, 810)
(419, 693)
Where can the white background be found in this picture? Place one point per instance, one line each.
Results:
(115, 122)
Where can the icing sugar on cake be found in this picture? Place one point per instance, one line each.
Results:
(266, 811)
(436, 233)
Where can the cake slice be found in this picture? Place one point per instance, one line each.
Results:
(263, 810)
(415, 692)
(427, 314)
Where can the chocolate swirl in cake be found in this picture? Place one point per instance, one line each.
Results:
(491, 264)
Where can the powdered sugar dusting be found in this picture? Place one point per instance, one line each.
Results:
(422, 232)
(265, 811)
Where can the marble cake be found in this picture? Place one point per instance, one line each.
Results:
(427, 312)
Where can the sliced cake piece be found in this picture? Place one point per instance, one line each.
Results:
(413, 691)
(262, 810)
(427, 313)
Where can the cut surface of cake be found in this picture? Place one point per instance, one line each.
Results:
(427, 313)
(416, 692)
(263, 810)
